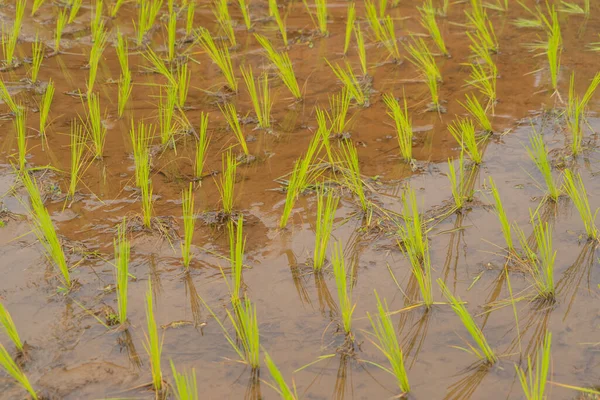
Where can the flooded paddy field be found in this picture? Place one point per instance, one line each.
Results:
(350, 200)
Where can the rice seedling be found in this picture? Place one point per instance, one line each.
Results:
(189, 221)
(360, 45)
(122, 249)
(96, 51)
(539, 155)
(412, 234)
(184, 77)
(404, 131)
(166, 110)
(474, 107)
(10, 328)
(326, 208)
(230, 113)
(125, 88)
(237, 245)
(36, 6)
(37, 56)
(11, 36)
(534, 383)
(74, 7)
(245, 13)
(463, 132)
(7, 99)
(274, 10)
(388, 38)
(159, 66)
(116, 6)
(171, 36)
(483, 350)
(352, 176)
(15, 371)
(219, 55)
(221, 13)
(482, 78)
(186, 387)
(245, 322)
(78, 147)
(189, 20)
(373, 19)
(61, 22)
(147, 13)
(341, 282)
(350, 19)
(499, 5)
(575, 189)
(140, 141)
(227, 181)
(339, 104)
(285, 69)
(458, 182)
(543, 268)
(45, 232)
(97, 23)
(504, 224)
(554, 48)
(280, 385)
(261, 102)
(45, 107)
(350, 82)
(480, 21)
(201, 146)
(423, 60)
(574, 8)
(575, 113)
(387, 339)
(20, 128)
(428, 21)
(383, 6)
(153, 344)
(321, 9)
(95, 126)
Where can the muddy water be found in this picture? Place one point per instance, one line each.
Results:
(72, 356)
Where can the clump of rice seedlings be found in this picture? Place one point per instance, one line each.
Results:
(171, 36)
(226, 182)
(274, 11)
(474, 107)
(189, 221)
(341, 282)
(122, 251)
(543, 267)
(97, 23)
(37, 56)
(124, 91)
(360, 45)
(45, 107)
(421, 267)
(13, 370)
(423, 60)
(10, 328)
(373, 19)
(96, 51)
(166, 110)
(484, 72)
(45, 232)
(575, 113)
(201, 146)
(483, 350)
(122, 50)
(534, 380)
(339, 104)
(387, 339)
(350, 19)
(352, 176)
(116, 6)
(140, 140)
(20, 128)
(463, 132)
(573, 8)
(95, 126)
(458, 181)
(504, 224)
(61, 22)
(282, 62)
(237, 246)
(578, 195)
(230, 113)
(147, 13)
(539, 155)
(261, 101)
(350, 82)
(7, 99)
(221, 13)
(245, 13)
(554, 47)
(184, 77)
(189, 20)
(321, 8)
(404, 131)
(388, 38)
(74, 7)
(36, 6)
(280, 385)
(326, 208)
(153, 343)
(428, 21)
(78, 147)
(159, 66)
(219, 55)
(480, 21)
(10, 37)
(186, 387)
(245, 323)
(412, 234)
